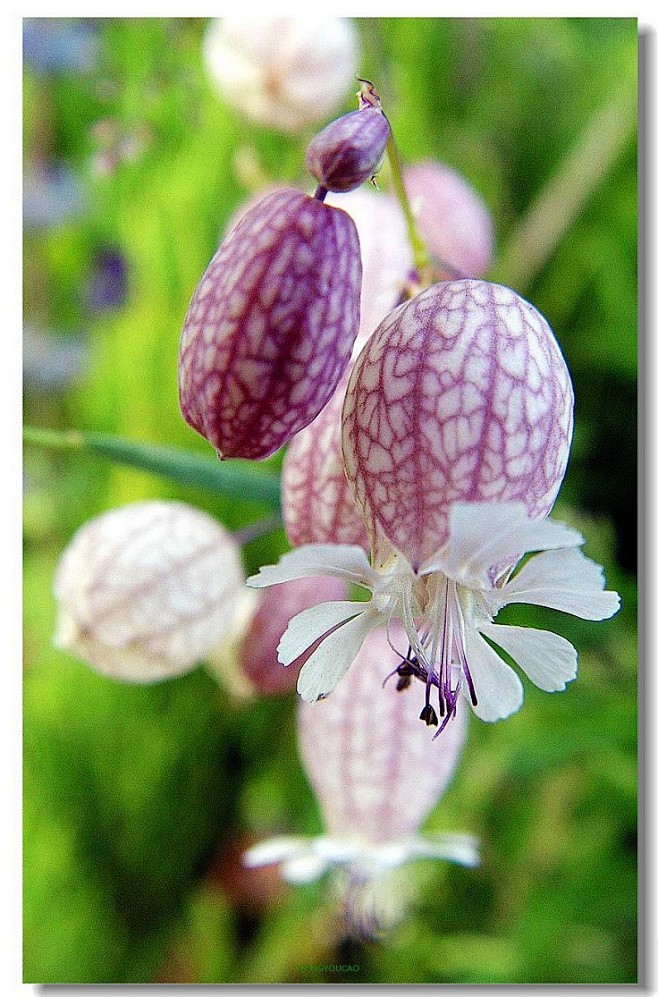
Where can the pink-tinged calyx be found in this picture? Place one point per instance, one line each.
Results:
(316, 498)
(271, 325)
(376, 777)
(257, 655)
(452, 219)
(360, 745)
(386, 255)
(461, 395)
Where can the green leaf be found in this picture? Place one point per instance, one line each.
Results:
(237, 480)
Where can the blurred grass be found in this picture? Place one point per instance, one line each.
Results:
(135, 800)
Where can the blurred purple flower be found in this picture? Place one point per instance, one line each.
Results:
(52, 195)
(60, 44)
(52, 362)
(107, 285)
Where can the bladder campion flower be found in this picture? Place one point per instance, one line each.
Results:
(456, 430)
(366, 759)
(448, 606)
(148, 590)
(282, 72)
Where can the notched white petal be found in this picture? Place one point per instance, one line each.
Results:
(548, 660)
(498, 688)
(565, 580)
(308, 626)
(338, 560)
(327, 665)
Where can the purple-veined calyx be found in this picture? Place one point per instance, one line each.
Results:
(271, 325)
(460, 395)
(316, 498)
(366, 759)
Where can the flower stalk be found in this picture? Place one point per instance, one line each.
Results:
(421, 257)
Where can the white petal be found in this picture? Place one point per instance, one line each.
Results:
(326, 666)
(276, 849)
(337, 851)
(564, 580)
(548, 660)
(461, 848)
(338, 560)
(308, 626)
(498, 688)
(484, 534)
(304, 869)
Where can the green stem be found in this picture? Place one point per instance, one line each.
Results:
(236, 479)
(420, 254)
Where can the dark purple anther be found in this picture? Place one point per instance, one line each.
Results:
(349, 150)
(271, 325)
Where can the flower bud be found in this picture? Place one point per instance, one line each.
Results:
(283, 72)
(147, 590)
(316, 499)
(257, 655)
(349, 151)
(271, 325)
(462, 394)
(452, 218)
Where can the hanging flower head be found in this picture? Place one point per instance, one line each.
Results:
(448, 607)
(271, 325)
(456, 432)
(148, 590)
(375, 783)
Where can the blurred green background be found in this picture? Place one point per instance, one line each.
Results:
(139, 801)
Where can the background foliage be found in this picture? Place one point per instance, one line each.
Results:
(139, 801)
